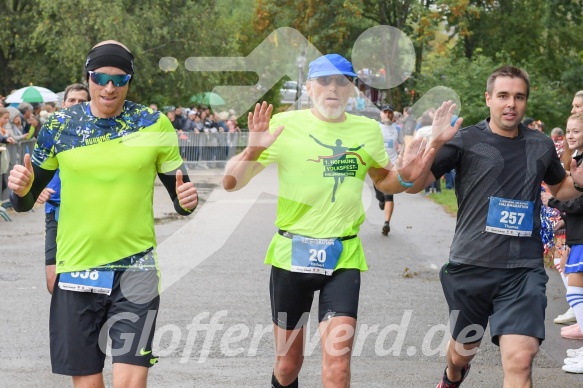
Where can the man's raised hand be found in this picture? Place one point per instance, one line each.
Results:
(442, 128)
(258, 122)
(21, 177)
(413, 161)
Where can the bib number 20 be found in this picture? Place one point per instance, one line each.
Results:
(318, 255)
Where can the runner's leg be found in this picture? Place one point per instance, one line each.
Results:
(337, 337)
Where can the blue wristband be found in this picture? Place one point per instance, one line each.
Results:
(403, 183)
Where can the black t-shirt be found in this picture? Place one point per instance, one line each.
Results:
(489, 165)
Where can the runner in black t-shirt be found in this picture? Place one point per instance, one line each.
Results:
(495, 271)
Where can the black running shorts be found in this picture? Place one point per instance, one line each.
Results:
(513, 300)
(292, 294)
(382, 197)
(79, 323)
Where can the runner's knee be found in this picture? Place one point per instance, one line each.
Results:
(518, 360)
(460, 355)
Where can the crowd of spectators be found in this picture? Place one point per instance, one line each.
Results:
(204, 135)
(19, 124)
(200, 132)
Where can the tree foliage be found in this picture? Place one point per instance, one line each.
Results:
(457, 42)
(540, 36)
(16, 52)
(330, 25)
(52, 52)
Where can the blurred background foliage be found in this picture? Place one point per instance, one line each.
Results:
(457, 43)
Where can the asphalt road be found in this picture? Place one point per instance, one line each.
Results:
(214, 327)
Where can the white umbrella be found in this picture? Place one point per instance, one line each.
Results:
(32, 94)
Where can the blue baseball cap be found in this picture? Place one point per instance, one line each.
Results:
(330, 64)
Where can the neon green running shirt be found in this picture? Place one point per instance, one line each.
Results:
(321, 169)
(108, 168)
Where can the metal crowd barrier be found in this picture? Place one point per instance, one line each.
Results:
(211, 149)
(201, 150)
(194, 147)
(204, 150)
(17, 151)
(11, 155)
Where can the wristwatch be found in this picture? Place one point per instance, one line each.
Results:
(578, 188)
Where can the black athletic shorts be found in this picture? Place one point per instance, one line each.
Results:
(382, 197)
(50, 239)
(78, 318)
(292, 294)
(513, 300)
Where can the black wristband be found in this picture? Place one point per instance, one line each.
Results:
(578, 188)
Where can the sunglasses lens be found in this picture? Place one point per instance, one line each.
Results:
(340, 81)
(103, 79)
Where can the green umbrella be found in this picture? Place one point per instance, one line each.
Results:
(207, 98)
(32, 94)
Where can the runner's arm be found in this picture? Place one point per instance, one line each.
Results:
(409, 168)
(427, 177)
(41, 178)
(565, 190)
(169, 181)
(444, 130)
(574, 206)
(446, 157)
(242, 168)
(385, 180)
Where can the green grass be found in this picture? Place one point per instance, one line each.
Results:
(446, 199)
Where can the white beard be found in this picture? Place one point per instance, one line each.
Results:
(330, 113)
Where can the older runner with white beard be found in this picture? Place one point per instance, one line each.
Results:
(323, 156)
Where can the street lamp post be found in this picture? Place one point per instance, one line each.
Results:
(301, 62)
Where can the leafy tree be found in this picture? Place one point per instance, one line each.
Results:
(16, 54)
(45, 42)
(328, 31)
(417, 18)
(443, 71)
(563, 47)
(151, 29)
(457, 42)
(468, 78)
(544, 34)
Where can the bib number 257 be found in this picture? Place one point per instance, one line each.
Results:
(512, 218)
